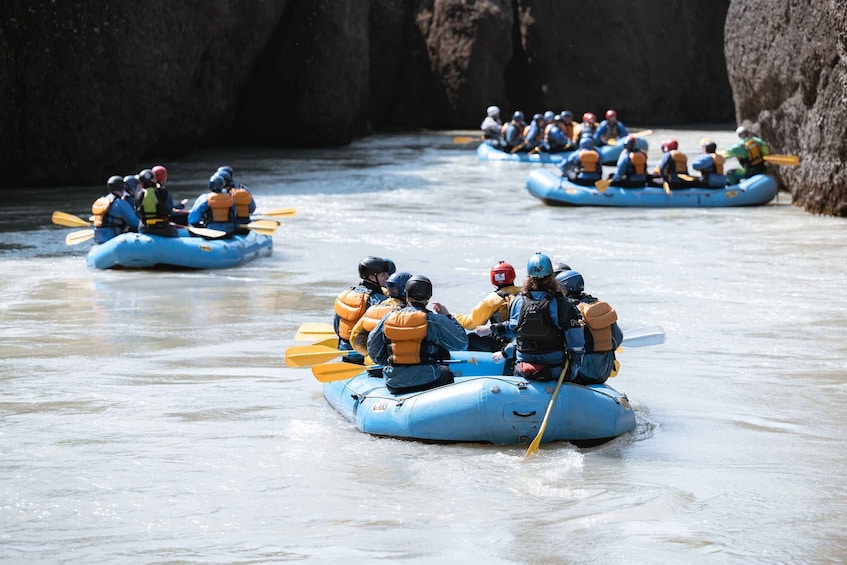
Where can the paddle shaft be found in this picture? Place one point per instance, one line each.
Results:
(533, 447)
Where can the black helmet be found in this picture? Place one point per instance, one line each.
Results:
(418, 288)
(147, 178)
(371, 265)
(559, 267)
(115, 184)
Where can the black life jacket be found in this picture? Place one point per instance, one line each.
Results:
(536, 332)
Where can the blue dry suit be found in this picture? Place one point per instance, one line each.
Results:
(119, 219)
(443, 334)
(533, 136)
(574, 163)
(565, 318)
(513, 135)
(626, 170)
(556, 140)
(667, 169)
(347, 303)
(706, 165)
(606, 131)
(201, 214)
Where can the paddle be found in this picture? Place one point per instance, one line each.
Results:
(517, 147)
(465, 139)
(279, 213)
(76, 237)
(667, 188)
(314, 330)
(206, 232)
(69, 220)
(644, 336)
(787, 160)
(308, 355)
(265, 227)
(602, 184)
(533, 447)
(642, 133)
(341, 371)
(687, 178)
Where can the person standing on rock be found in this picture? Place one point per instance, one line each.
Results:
(750, 152)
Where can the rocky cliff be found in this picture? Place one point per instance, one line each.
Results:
(787, 64)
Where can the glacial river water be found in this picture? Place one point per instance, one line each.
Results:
(148, 416)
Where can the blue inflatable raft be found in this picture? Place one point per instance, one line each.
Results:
(553, 189)
(483, 407)
(140, 251)
(608, 154)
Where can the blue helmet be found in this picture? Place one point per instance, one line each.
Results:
(549, 115)
(396, 284)
(539, 266)
(226, 175)
(226, 168)
(392, 268)
(216, 183)
(567, 114)
(131, 183)
(537, 117)
(571, 281)
(586, 142)
(518, 116)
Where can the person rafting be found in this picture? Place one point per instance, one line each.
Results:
(396, 287)
(609, 129)
(494, 308)
(672, 166)
(153, 205)
(583, 167)
(512, 132)
(750, 152)
(710, 164)
(546, 327)
(602, 333)
(242, 197)
(631, 171)
(214, 209)
(351, 304)
(112, 214)
(409, 343)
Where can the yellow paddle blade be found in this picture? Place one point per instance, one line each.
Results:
(642, 133)
(337, 371)
(314, 330)
(266, 227)
(667, 188)
(787, 160)
(612, 141)
(465, 139)
(602, 184)
(687, 178)
(279, 213)
(69, 220)
(308, 355)
(328, 342)
(78, 236)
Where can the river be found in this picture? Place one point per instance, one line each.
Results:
(148, 416)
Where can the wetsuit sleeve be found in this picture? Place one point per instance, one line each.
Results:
(449, 334)
(127, 214)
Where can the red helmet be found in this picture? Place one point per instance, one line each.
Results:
(160, 173)
(588, 117)
(611, 114)
(502, 274)
(670, 145)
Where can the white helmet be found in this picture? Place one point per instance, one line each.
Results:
(742, 132)
(493, 111)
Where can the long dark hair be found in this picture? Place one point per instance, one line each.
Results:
(547, 283)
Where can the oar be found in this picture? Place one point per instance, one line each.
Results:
(667, 188)
(642, 133)
(266, 227)
(279, 213)
(517, 147)
(602, 184)
(69, 220)
(465, 139)
(644, 336)
(687, 178)
(206, 232)
(78, 236)
(533, 447)
(314, 330)
(788, 160)
(341, 371)
(308, 355)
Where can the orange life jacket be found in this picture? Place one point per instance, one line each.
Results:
(350, 305)
(220, 203)
(639, 162)
(680, 162)
(569, 130)
(599, 317)
(590, 160)
(754, 152)
(718, 161)
(242, 198)
(100, 209)
(406, 331)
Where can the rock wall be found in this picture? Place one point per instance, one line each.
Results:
(95, 88)
(787, 66)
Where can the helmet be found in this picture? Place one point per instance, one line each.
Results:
(160, 173)
(492, 111)
(391, 266)
(539, 266)
(611, 114)
(589, 117)
(147, 178)
(518, 116)
(371, 265)
(502, 274)
(226, 168)
(549, 115)
(571, 281)
(742, 132)
(567, 114)
(216, 183)
(418, 288)
(670, 145)
(537, 117)
(586, 142)
(115, 184)
(131, 183)
(559, 267)
(710, 147)
(558, 118)
(396, 284)
(226, 175)
(630, 143)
